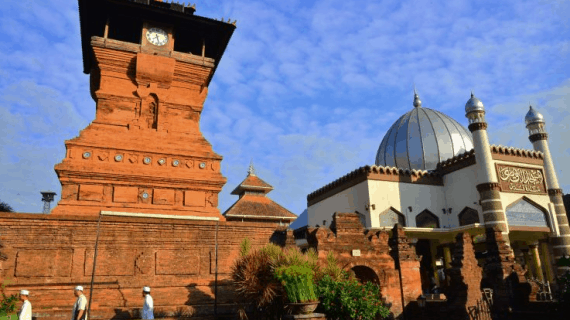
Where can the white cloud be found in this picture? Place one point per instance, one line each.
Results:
(306, 88)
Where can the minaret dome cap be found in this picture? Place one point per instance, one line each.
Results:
(474, 104)
(533, 116)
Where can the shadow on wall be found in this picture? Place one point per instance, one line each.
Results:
(122, 314)
(199, 304)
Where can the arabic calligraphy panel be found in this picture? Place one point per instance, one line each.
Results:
(520, 179)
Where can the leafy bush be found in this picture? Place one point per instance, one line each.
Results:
(347, 299)
(259, 293)
(8, 304)
(332, 270)
(266, 277)
(297, 282)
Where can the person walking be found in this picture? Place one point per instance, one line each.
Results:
(26, 309)
(148, 307)
(79, 308)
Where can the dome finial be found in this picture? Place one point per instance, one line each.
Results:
(533, 116)
(251, 169)
(417, 101)
(474, 104)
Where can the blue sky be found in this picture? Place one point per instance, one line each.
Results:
(306, 88)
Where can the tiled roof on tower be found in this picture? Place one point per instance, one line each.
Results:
(253, 204)
(252, 183)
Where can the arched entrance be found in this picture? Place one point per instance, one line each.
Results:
(365, 274)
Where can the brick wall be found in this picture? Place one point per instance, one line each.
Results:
(465, 278)
(50, 255)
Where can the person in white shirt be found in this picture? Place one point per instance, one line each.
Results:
(79, 308)
(148, 307)
(26, 310)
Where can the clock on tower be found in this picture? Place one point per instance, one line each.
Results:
(150, 64)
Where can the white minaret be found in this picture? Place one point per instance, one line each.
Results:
(539, 138)
(487, 184)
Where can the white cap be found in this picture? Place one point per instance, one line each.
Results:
(146, 289)
(80, 288)
(25, 292)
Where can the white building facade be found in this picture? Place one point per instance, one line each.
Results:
(436, 179)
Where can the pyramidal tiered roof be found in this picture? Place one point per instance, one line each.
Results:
(254, 205)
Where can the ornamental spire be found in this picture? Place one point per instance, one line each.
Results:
(417, 101)
(251, 170)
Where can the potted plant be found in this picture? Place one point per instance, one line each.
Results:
(299, 287)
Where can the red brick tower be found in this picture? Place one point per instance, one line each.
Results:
(150, 65)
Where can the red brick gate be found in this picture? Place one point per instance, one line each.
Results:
(372, 255)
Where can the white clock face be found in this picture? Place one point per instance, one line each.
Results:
(157, 36)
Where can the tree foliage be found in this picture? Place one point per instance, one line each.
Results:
(4, 207)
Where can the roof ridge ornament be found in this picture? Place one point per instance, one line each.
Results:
(251, 169)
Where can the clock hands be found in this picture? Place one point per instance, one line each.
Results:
(157, 37)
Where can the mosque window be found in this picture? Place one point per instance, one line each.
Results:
(390, 217)
(426, 219)
(468, 216)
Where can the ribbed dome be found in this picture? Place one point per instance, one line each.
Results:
(422, 138)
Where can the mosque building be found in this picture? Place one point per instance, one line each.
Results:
(437, 179)
(140, 185)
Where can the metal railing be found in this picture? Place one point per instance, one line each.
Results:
(482, 311)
